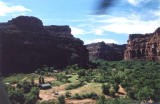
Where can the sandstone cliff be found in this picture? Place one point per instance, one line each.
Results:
(110, 52)
(143, 47)
(26, 45)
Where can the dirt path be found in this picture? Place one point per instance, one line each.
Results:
(83, 101)
(49, 94)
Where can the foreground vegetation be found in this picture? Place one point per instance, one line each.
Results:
(118, 82)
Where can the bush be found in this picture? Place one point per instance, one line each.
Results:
(68, 94)
(81, 72)
(91, 95)
(115, 87)
(26, 86)
(61, 99)
(47, 102)
(73, 86)
(77, 96)
(112, 93)
(16, 96)
(101, 100)
(106, 88)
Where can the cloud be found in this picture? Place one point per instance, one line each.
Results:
(99, 32)
(77, 31)
(100, 40)
(134, 2)
(6, 9)
(125, 25)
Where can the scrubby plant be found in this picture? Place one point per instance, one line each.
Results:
(106, 88)
(61, 99)
(75, 85)
(68, 94)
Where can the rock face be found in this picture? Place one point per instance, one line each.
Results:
(143, 47)
(110, 52)
(26, 45)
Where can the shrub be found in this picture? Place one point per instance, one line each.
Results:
(81, 72)
(112, 93)
(73, 86)
(61, 99)
(26, 86)
(16, 96)
(91, 95)
(115, 87)
(68, 94)
(106, 88)
(101, 100)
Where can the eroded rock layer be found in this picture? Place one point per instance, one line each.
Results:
(110, 52)
(143, 47)
(26, 44)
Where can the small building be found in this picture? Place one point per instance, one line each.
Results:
(55, 71)
(69, 76)
(45, 86)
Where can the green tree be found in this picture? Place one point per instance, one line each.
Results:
(61, 99)
(145, 94)
(101, 100)
(16, 96)
(106, 88)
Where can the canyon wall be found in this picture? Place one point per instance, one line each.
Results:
(109, 52)
(143, 47)
(26, 45)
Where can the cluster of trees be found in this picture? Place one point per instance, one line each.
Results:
(103, 100)
(109, 89)
(24, 93)
(140, 79)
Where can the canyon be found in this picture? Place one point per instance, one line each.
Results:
(25, 45)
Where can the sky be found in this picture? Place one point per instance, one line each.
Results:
(114, 26)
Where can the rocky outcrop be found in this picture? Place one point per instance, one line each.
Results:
(26, 45)
(143, 47)
(110, 52)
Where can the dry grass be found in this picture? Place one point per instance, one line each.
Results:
(90, 87)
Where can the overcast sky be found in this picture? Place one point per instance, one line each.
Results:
(124, 18)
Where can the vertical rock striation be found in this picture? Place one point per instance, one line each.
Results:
(143, 47)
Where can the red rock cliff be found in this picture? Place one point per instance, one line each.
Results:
(25, 45)
(143, 47)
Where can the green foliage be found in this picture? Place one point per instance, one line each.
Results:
(106, 88)
(115, 87)
(61, 99)
(75, 85)
(101, 100)
(112, 92)
(145, 94)
(23, 94)
(81, 73)
(32, 82)
(61, 77)
(91, 95)
(26, 86)
(16, 96)
(41, 80)
(47, 102)
(68, 94)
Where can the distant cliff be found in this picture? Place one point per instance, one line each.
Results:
(143, 47)
(26, 45)
(110, 52)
